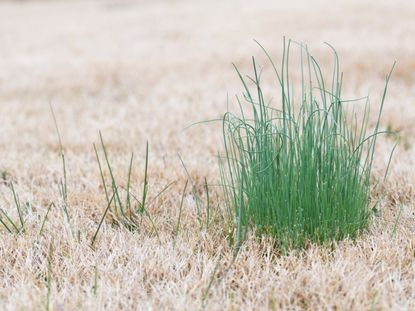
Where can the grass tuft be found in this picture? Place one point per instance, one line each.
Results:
(7, 222)
(127, 212)
(300, 171)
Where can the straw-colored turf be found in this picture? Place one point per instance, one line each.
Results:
(144, 70)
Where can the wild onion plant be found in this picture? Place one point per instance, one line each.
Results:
(299, 171)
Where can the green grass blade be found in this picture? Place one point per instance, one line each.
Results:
(176, 231)
(45, 218)
(94, 237)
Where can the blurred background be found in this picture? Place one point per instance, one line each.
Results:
(141, 70)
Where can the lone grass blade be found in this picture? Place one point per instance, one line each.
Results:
(63, 184)
(176, 232)
(45, 218)
(117, 200)
(194, 192)
(207, 204)
(17, 203)
(145, 186)
(101, 221)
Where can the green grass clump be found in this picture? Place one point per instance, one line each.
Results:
(300, 171)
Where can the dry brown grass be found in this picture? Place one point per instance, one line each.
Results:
(145, 70)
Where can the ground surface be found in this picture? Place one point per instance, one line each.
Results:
(144, 70)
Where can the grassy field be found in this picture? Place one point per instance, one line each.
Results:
(143, 71)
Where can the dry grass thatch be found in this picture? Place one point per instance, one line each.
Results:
(142, 71)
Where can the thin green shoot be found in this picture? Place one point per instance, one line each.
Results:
(117, 202)
(177, 229)
(208, 204)
(128, 200)
(17, 226)
(63, 184)
(101, 221)
(17, 203)
(14, 225)
(194, 192)
(5, 225)
(145, 185)
(101, 174)
(398, 219)
(45, 218)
